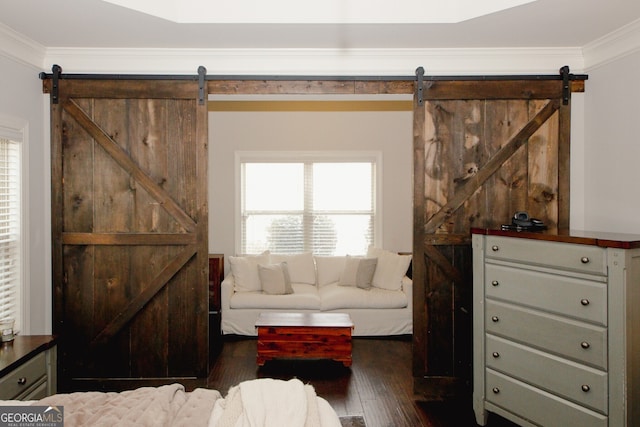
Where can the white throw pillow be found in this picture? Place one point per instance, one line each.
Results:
(329, 269)
(274, 279)
(245, 271)
(301, 267)
(390, 270)
(358, 272)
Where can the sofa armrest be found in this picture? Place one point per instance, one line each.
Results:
(407, 287)
(226, 291)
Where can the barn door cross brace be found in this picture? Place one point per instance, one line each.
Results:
(491, 166)
(118, 154)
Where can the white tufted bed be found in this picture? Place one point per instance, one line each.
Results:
(262, 402)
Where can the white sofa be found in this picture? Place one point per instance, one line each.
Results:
(378, 299)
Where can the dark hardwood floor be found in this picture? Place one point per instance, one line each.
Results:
(377, 386)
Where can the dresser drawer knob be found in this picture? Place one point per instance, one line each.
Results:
(584, 301)
(585, 345)
(584, 260)
(22, 380)
(495, 283)
(496, 390)
(585, 388)
(494, 318)
(496, 354)
(495, 248)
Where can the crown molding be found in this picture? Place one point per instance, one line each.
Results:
(19, 48)
(473, 61)
(615, 45)
(477, 61)
(456, 61)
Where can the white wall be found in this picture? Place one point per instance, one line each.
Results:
(388, 132)
(612, 146)
(576, 180)
(22, 98)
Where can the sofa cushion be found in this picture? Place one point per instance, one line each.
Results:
(390, 270)
(329, 269)
(301, 267)
(245, 271)
(358, 272)
(274, 279)
(304, 297)
(336, 297)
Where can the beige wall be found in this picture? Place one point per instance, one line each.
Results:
(612, 146)
(387, 131)
(23, 100)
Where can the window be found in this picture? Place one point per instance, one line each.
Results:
(10, 225)
(308, 203)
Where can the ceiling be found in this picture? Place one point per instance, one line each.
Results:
(331, 11)
(99, 24)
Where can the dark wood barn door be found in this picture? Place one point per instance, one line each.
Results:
(129, 181)
(482, 151)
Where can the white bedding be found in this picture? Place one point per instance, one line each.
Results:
(264, 402)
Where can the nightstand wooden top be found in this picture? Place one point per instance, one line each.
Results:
(21, 349)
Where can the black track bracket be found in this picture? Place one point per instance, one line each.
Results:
(420, 85)
(566, 88)
(56, 70)
(202, 73)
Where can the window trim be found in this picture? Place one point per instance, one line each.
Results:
(17, 129)
(302, 156)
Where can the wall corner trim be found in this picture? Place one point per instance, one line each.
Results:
(17, 47)
(615, 45)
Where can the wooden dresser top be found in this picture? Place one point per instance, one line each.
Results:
(583, 237)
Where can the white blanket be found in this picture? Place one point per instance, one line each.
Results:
(268, 402)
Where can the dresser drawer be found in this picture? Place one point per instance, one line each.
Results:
(538, 406)
(576, 340)
(39, 392)
(564, 295)
(23, 378)
(566, 256)
(573, 381)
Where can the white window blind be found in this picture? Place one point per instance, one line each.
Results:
(324, 207)
(10, 241)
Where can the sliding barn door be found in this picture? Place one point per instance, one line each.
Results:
(129, 180)
(482, 151)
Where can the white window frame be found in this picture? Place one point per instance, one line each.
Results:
(17, 130)
(309, 156)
